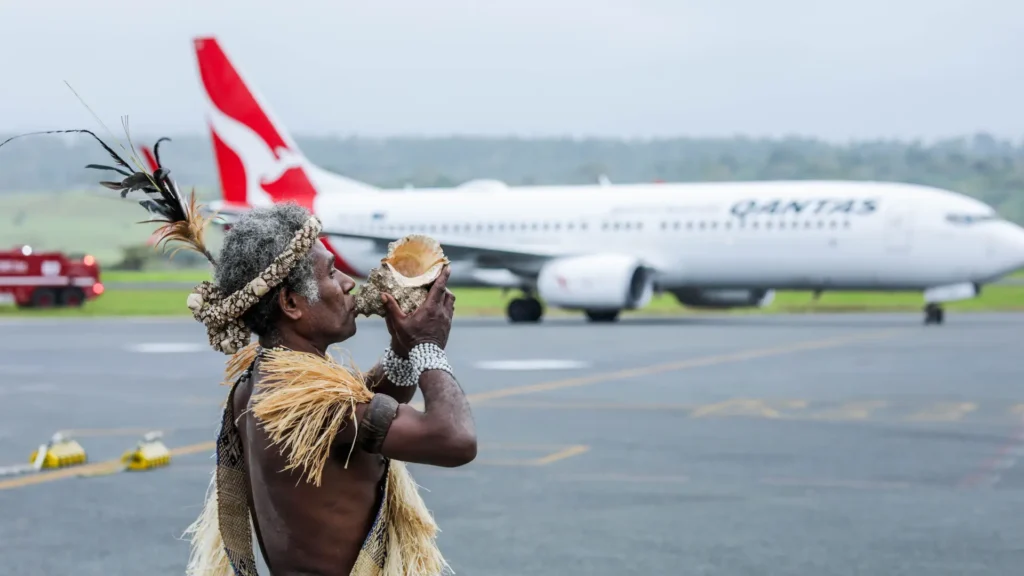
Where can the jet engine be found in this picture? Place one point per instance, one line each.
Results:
(596, 282)
(723, 298)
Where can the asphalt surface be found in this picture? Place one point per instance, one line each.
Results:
(783, 445)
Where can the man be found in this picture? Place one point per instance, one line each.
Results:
(307, 450)
(310, 453)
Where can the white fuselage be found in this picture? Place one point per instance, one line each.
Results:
(608, 246)
(782, 235)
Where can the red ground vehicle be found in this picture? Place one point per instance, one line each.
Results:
(48, 279)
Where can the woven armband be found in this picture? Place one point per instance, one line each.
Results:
(376, 423)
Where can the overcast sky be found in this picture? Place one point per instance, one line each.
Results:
(824, 68)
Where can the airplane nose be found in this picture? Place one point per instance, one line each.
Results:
(1020, 248)
(1014, 242)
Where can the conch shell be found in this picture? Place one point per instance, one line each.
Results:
(406, 273)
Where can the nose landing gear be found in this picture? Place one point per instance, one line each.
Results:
(933, 314)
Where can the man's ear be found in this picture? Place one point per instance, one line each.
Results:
(289, 303)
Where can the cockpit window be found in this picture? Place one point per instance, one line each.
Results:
(968, 219)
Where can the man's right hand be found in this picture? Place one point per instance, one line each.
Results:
(429, 323)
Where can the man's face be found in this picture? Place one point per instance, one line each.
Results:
(332, 318)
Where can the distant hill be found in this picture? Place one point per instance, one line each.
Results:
(979, 165)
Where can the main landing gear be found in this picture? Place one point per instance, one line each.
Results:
(933, 314)
(526, 309)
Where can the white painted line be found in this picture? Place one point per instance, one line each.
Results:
(167, 347)
(536, 364)
(42, 388)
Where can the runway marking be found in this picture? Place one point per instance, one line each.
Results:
(770, 408)
(629, 478)
(944, 412)
(746, 407)
(561, 455)
(100, 432)
(565, 453)
(535, 388)
(833, 483)
(538, 364)
(41, 388)
(193, 448)
(859, 410)
(675, 366)
(571, 405)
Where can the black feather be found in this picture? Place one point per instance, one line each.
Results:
(162, 195)
(120, 161)
(114, 168)
(156, 150)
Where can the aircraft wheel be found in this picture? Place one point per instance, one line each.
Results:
(934, 314)
(525, 310)
(602, 315)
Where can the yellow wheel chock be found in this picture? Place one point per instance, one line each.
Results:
(59, 452)
(149, 453)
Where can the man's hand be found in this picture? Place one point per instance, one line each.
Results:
(430, 323)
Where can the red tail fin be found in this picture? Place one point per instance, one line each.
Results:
(257, 160)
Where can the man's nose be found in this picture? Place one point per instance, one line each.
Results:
(347, 283)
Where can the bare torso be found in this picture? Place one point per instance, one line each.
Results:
(308, 530)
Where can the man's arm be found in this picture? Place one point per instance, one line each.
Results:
(443, 434)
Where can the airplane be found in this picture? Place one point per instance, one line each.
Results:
(602, 249)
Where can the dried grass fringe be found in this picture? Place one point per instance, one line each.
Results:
(302, 400)
(207, 556)
(412, 531)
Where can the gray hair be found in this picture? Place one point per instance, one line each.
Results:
(250, 246)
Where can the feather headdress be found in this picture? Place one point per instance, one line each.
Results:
(180, 219)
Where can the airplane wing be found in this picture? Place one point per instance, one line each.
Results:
(484, 253)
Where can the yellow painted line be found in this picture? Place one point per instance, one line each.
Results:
(860, 410)
(561, 455)
(629, 478)
(673, 366)
(522, 390)
(96, 469)
(747, 407)
(570, 405)
(193, 448)
(944, 412)
(564, 453)
(525, 447)
(98, 432)
(70, 472)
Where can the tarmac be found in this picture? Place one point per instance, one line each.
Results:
(812, 445)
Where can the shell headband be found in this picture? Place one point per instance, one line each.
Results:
(181, 221)
(222, 314)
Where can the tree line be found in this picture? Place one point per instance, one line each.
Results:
(981, 166)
